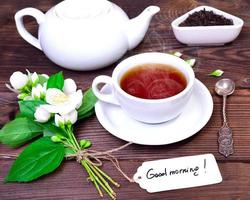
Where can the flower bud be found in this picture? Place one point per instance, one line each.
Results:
(82, 142)
(22, 96)
(18, 80)
(38, 92)
(34, 78)
(55, 138)
(42, 115)
(27, 98)
(69, 86)
(59, 121)
(45, 86)
(71, 117)
(85, 144)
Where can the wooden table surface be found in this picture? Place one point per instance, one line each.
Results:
(69, 181)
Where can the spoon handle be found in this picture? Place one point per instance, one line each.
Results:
(225, 138)
(224, 110)
(225, 141)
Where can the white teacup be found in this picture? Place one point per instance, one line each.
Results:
(146, 110)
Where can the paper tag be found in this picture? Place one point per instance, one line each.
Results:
(177, 173)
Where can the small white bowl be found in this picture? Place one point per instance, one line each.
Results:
(207, 35)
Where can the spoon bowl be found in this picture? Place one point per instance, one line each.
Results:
(224, 87)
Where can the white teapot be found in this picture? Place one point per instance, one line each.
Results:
(85, 34)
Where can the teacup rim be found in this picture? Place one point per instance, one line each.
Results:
(177, 96)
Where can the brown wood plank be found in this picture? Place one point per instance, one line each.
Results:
(236, 185)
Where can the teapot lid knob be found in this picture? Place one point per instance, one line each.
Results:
(80, 9)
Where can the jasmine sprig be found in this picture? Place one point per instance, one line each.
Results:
(49, 107)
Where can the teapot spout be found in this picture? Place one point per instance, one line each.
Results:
(138, 26)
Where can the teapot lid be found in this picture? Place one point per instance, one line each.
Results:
(82, 9)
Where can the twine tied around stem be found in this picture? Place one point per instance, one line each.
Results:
(94, 158)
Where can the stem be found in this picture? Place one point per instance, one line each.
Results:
(72, 137)
(78, 146)
(109, 192)
(68, 144)
(102, 179)
(91, 173)
(97, 186)
(91, 178)
(96, 175)
(107, 176)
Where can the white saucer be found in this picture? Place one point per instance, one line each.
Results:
(194, 117)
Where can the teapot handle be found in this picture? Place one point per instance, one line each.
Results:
(38, 15)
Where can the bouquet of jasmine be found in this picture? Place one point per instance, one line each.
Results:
(49, 107)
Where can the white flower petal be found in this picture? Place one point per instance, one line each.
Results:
(62, 109)
(11, 89)
(18, 80)
(65, 109)
(70, 117)
(50, 108)
(41, 115)
(76, 98)
(69, 86)
(59, 102)
(55, 96)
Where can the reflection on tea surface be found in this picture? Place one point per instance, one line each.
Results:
(153, 81)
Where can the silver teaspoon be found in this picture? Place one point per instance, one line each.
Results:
(225, 87)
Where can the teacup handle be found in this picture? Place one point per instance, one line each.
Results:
(108, 98)
(38, 15)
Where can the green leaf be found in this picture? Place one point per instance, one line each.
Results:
(69, 151)
(18, 115)
(28, 108)
(50, 130)
(19, 131)
(217, 73)
(56, 81)
(87, 114)
(47, 133)
(88, 104)
(39, 158)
